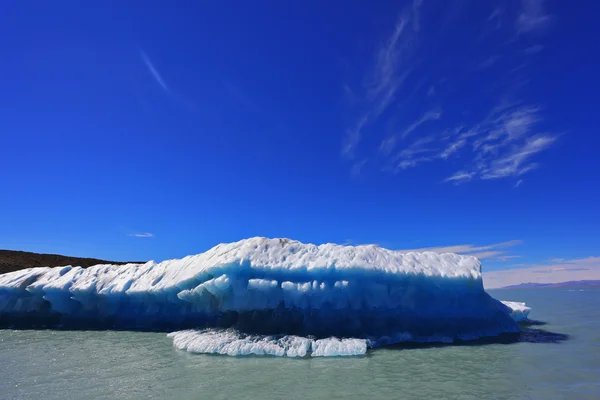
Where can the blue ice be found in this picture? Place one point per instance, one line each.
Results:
(260, 287)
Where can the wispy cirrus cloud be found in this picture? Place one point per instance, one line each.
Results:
(536, 48)
(460, 177)
(453, 148)
(558, 270)
(496, 251)
(419, 147)
(385, 79)
(403, 96)
(153, 71)
(386, 76)
(496, 16)
(352, 137)
(142, 235)
(516, 161)
(504, 144)
(420, 151)
(416, 153)
(172, 93)
(506, 257)
(357, 168)
(430, 115)
(532, 16)
(489, 61)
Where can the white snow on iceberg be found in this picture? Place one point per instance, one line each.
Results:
(269, 287)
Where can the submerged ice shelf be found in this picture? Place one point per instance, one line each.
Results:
(233, 343)
(267, 287)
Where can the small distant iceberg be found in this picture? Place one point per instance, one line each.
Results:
(519, 311)
(270, 296)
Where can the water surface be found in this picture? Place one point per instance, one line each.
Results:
(557, 360)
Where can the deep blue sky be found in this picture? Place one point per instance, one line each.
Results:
(416, 124)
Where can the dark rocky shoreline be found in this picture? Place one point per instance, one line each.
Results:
(13, 260)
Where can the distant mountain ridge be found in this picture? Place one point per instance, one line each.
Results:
(569, 284)
(13, 260)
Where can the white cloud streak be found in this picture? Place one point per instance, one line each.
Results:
(416, 14)
(387, 145)
(492, 251)
(412, 162)
(496, 14)
(516, 163)
(142, 235)
(353, 137)
(430, 115)
(501, 143)
(418, 152)
(453, 148)
(155, 74)
(460, 176)
(536, 48)
(558, 271)
(357, 168)
(385, 79)
(380, 90)
(490, 61)
(532, 16)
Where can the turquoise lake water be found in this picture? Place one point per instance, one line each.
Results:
(559, 359)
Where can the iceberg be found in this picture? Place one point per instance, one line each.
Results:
(233, 343)
(518, 311)
(363, 295)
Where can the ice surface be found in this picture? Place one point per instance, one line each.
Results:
(519, 311)
(233, 343)
(338, 347)
(270, 287)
